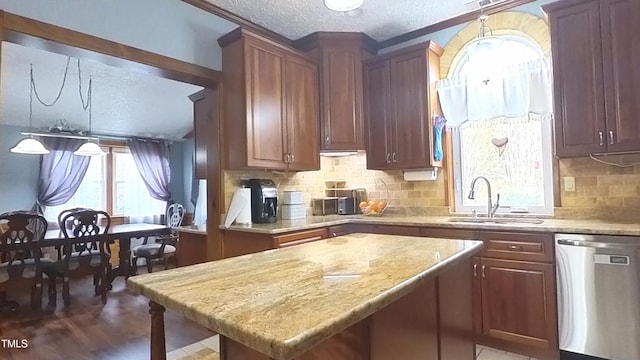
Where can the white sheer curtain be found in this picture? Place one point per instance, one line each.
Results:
(513, 91)
(130, 195)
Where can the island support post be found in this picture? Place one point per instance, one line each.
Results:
(158, 346)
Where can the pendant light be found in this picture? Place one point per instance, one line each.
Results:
(484, 44)
(343, 5)
(30, 145)
(91, 147)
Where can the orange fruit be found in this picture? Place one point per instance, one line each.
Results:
(372, 203)
(382, 205)
(363, 204)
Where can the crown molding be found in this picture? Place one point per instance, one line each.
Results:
(371, 43)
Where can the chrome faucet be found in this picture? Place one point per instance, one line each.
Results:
(491, 208)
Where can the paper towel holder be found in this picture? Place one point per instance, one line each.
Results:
(428, 174)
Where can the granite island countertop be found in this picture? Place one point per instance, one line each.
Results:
(283, 302)
(598, 227)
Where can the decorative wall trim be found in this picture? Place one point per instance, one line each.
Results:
(36, 34)
(457, 20)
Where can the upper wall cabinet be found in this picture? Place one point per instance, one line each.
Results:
(270, 105)
(203, 110)
(596, 70)
(400, 100)
(339, 57)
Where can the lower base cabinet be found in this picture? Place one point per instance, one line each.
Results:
(517, 309)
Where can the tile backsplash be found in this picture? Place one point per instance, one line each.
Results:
(416, 198)
(601, 191)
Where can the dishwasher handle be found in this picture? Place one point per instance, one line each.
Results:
(599, 244)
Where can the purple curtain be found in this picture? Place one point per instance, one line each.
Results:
(61, 172)
(152, 161)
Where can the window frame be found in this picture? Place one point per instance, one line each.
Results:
(455, 182)
(109, 147)
(547, 171)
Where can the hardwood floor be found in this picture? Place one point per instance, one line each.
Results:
(89, 330)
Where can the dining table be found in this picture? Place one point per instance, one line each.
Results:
(124, 233)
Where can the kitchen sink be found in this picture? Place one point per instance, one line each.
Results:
(495, 220)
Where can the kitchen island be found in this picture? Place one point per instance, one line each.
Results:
(359, 296)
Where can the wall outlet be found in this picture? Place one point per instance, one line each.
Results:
(569, 183)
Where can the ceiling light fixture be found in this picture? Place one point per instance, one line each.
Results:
(343, 5)
(484, 43)
(91, 147)
(31, 145)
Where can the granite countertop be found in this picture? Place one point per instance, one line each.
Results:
(194, 229)
(599, 227)
(282, 302)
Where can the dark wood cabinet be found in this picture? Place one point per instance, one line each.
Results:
(518, 306)
(621, 55)
(514, 300)
(339, 57)
(203, 109)
(300, 237)
(514, 291)
(596, 68)
(270, 105)
(377, 89)
(302, 115)
(400, 100)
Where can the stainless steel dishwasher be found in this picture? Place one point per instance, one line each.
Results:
(599, 295)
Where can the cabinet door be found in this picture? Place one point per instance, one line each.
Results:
(265, 106)
(578, 79)
(410, 110)
(203, 108)
(377, 106)
(519, 306)
(302, 114)
(621, 58)
(342, 124)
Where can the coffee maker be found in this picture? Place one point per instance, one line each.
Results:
(264, 200)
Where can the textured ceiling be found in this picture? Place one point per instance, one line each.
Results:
(380, 19)
(124, 102)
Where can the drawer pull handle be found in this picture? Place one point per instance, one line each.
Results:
(484, 274)
(515, 247)
(475, 270)
(334, 234)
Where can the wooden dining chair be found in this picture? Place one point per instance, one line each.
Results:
(164, 246)
(21, 264)
(85, 252)
(61, 224)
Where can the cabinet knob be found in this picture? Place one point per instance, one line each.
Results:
(292, 158)
(475, 270)
(484, 274)
(395, 157)
(601, 138)
(334, 234)
(326, 139)
(388, 158)
(610, 137)
(286, 158)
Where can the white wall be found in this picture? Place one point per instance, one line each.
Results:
(168, 27)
